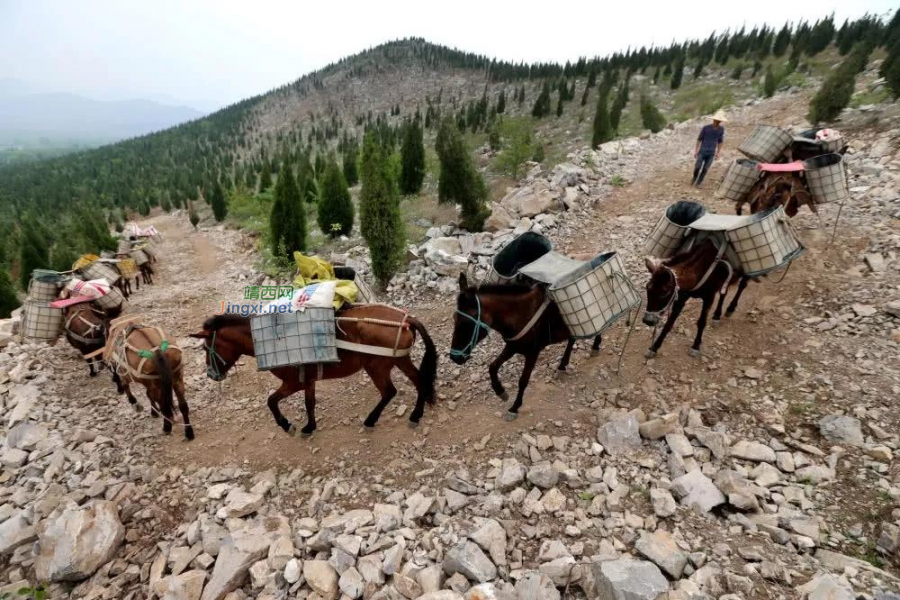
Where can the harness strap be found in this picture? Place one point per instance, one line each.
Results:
(376, 350)
(531, 322)
(712, 267)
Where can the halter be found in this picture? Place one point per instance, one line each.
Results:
(212, 367)
(659, 313)
(465, 352)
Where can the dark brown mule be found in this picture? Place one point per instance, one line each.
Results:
(697, 272)
(777, 189)
(85, 328)
(147, 273)
(526, 319)
(227, 337)
(139, 354)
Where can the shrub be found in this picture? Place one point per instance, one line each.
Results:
(517, 134)
(650, 115)
(837, 89)
(193, 216)
(8, 299)
(335, 209)
(769, 83)
(217, 202)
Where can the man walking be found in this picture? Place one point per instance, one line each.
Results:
(709, 145)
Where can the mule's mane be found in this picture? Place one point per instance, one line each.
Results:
(218, 321)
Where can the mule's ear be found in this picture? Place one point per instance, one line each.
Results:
(652, 264)
(463, 282)
(202, 335)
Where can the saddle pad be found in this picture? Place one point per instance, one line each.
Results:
(781, 167)
(551, 267)
(711, 222)
(71, 301)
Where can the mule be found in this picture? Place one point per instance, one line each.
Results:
(382, 328)
(697, 272)
(139, 354)
(777, 189)
(147, 273)
(527, 320)
(85, 328)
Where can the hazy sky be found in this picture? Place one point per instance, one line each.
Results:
(199, 51)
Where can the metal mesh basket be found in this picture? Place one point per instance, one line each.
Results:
(668, 234)
(365, 295)
(140, 257)
(521, 251)
(110, 301)
(739, 179)
(41, 321)
(765, 243)
(127, 268)
(294, 338)
(594, 296)
(42, 291)
(766, 143)
(826, 178)
(99, 270)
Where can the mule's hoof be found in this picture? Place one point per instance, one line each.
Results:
(92, 374)
(695, 352)
(716, 322)
(728, 313)
(594, 353)
(189, 434)
(412, 424)
(305, 434)
(503, 396)
(560, 374)
(368, 428)
(292, 431)
(510, 416)
(650, 354)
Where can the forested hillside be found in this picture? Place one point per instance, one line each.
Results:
(53, 210)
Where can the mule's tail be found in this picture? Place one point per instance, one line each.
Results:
(165, 384)
(428, 368)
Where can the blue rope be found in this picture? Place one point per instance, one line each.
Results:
(465, 352)
(212, 369)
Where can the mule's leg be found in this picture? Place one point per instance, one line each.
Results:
(412, 373)
(718, 312)
(742, 285)
(595, 347)
(701, 325)
(178, 387)
(524, 378)
(567, 354)
(90, 363)
(137, 282)
(124, 388)
(309, 401)
(154, 394)
(382, 381)
(494, 371)
(283, 391)
(673, 316)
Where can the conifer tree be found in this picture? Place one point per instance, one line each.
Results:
(265, 179)
(193, 216)
(335, 209)
(584, 95)
(890, 68)
(460, 182)
(143, 208)
(501, 102)
(837, 89)
(351, 170)
(8, 299)
(559, 108)
(381, 223)
(217, 202)
(618, 105)
(33, 252)
(769, 83)
(602, 130)
(412, 159)
(677, 72)
(542, 104)
(782, 41)
(287, 221)
(650, 115)
(698, 68)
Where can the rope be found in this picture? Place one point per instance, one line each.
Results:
(836, 220)
(785, 272)
(636, 311)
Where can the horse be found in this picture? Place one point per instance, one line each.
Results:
(699, 271)
(381, 337)
(85, 327)
(524, 316)
(140, 354)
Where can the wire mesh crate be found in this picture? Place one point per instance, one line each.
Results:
(294, 338)
(41, 321)
(99, 270)
(766, 143)
(44, 285)
(140, 257)
(826, 178)
(767, 242)
(521, 251)
(365, 294)
(594, 296)
(669, 232)
(127, 268)
(739, 180)
(110, 301)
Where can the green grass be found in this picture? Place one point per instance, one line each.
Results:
(870, 97)
(697, 100)
(617, 181)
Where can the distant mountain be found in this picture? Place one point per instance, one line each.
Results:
(62, 115)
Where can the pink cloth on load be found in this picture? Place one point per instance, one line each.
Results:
(70, 301)
(95, 288)
(797, 165)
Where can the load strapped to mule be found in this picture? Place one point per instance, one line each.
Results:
(753, 245)
(41, 320)
(590, 295)
(782, 169)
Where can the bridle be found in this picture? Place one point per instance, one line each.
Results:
(212, 365)
(659, 313)
(479, 324)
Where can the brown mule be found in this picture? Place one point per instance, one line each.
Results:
(140, 354)
(698, 272)
(227, 337)
(85, 328)
(777, 189)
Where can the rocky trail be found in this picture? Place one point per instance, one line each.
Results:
(766, 468)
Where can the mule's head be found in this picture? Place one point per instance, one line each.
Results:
(220, 345)
(662, 290)
(468, 327)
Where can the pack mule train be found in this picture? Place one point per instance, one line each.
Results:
(137, 353)
(370, 337)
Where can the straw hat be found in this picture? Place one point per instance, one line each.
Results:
(719, 116)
